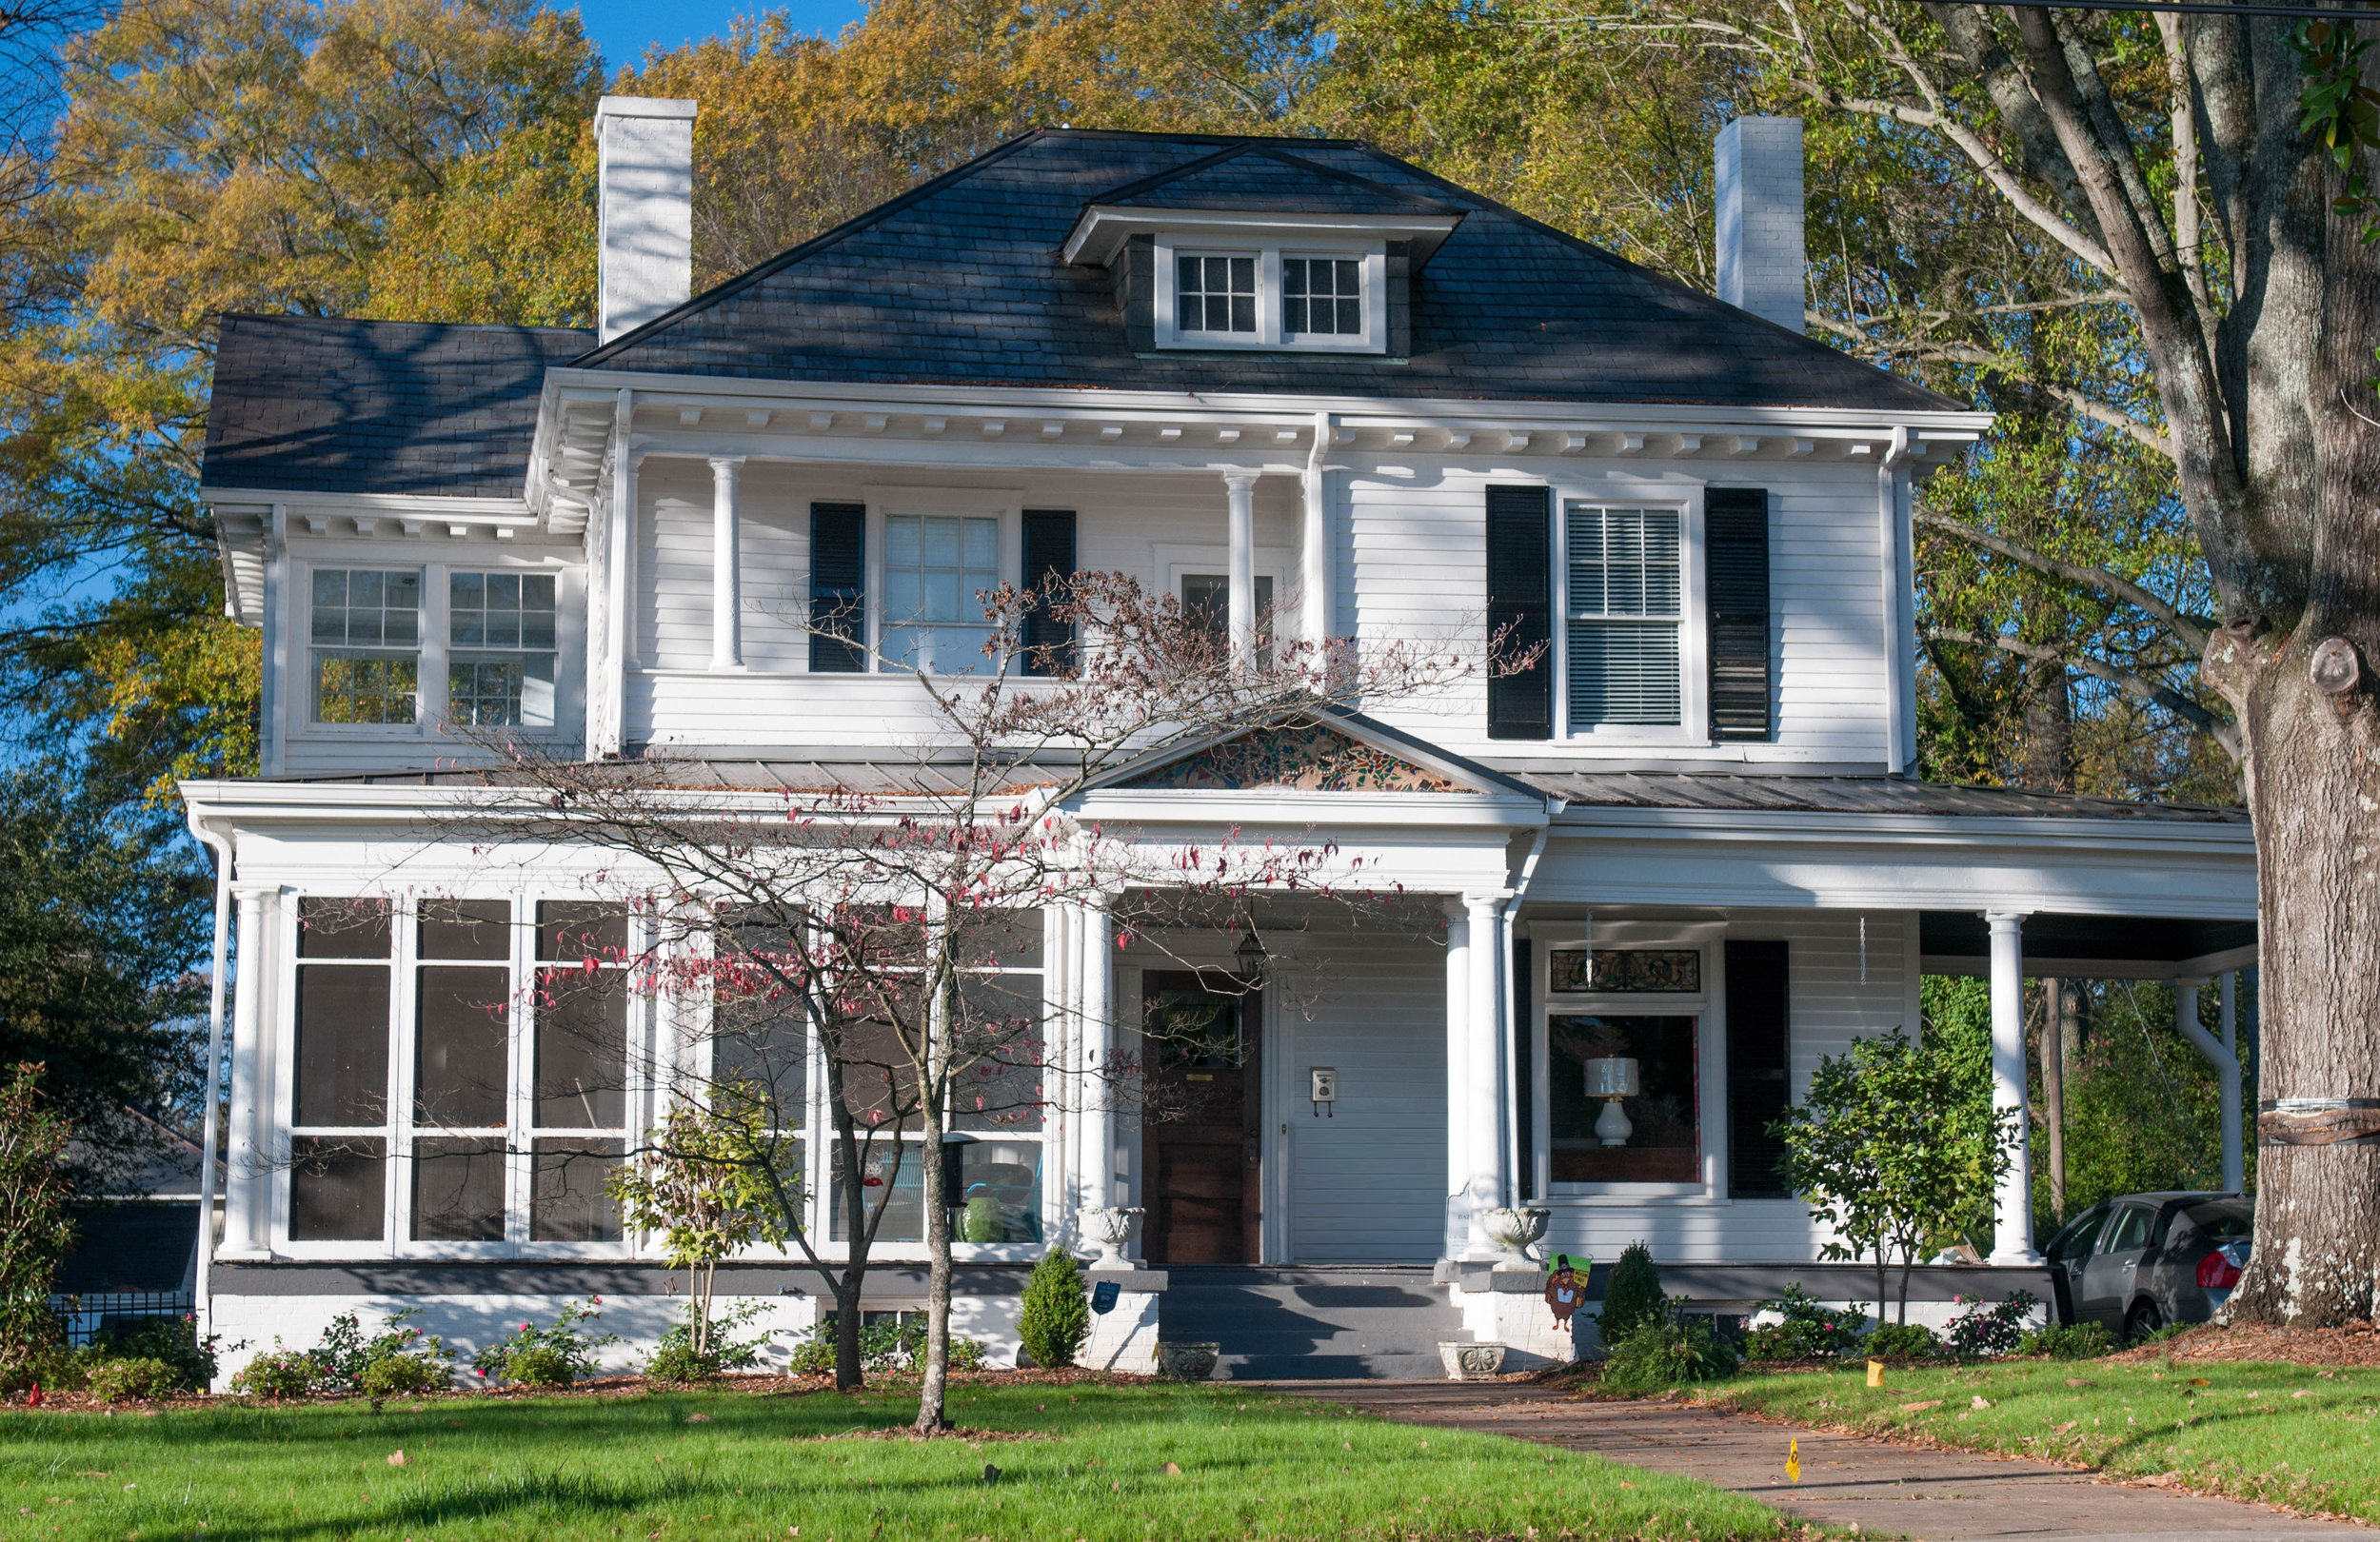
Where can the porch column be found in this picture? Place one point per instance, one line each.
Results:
(1241, 487)
(1314, 548)
(2012, 1236)
(726, 572)
(1097, 1182)
(1458, 1077)
(2224, 1057)
(1487, 1182)
(247, 1162)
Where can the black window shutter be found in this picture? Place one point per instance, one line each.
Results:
(1049, 567)
(1520, 605)
(838, 595)
(1736, 541)
(1759, 1089)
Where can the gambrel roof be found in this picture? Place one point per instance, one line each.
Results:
(960, 282)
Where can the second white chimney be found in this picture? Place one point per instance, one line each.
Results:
(1761, 265)
(645, 211)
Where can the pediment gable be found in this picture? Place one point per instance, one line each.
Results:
(1308, 756)
(1262, 180)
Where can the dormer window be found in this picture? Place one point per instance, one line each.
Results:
(1218, 294)
(1272, 297)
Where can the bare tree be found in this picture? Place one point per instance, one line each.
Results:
(877, 916)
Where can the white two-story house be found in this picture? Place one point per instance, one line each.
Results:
(1251, 373)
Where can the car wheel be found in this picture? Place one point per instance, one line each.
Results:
(2142, 1320)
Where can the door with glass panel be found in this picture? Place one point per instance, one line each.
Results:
(1202, 1119)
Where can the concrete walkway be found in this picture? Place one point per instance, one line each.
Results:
(1882, 1489)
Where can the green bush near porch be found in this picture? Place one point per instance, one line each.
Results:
(736, 1465)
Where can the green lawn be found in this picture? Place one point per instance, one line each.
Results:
(2282, 1434)
(713, 1466)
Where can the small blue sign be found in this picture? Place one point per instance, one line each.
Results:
(1103, 1297)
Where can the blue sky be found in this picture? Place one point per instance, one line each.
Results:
(623, 29)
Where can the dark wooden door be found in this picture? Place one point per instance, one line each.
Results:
(1204, 1118)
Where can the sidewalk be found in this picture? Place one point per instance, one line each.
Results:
(1846, 1480)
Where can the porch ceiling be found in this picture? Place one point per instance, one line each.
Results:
(2141, 947)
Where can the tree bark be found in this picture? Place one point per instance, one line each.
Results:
(2313, 781)
(2049, 759)
(933, 1387)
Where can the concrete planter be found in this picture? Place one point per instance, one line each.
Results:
(1186, 1362)
(1513, 1230)
(1471, 1362)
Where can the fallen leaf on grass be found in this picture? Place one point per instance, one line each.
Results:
(698, 1418)
(2077, 1381)
(1979, 1401)
(1920, 1408)
(1173, 1470)
(398, 1458)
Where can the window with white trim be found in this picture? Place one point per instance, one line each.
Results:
(500, 649)
(1624, 615)
(365, 626)
(937, 569)
(1214, 293)
(1272, 297)
(490, 1070)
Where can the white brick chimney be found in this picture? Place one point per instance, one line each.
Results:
(644, 201)
(1761, 266)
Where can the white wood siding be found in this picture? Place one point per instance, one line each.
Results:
(1367, 1185)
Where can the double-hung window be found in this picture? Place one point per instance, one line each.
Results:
(1271, 297)
(938, 568)
(500, 641)
(1624, 614)
(1321, 297)
(367, 632)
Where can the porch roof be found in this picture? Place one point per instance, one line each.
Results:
(1878, 794)
(2107, 947)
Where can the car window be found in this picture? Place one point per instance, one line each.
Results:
(2131, 1231)
(2075, 1240)
(2223, 1223)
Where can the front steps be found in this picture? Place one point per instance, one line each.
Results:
(1313, 1323)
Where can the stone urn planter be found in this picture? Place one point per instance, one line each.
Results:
(1513, 1230)
(1186, 1362)
(1111, 1228)
(1471, 1362)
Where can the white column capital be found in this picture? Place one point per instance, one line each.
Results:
(2006, 921)
(1241, 484)
(726, 466)
(1479, 900)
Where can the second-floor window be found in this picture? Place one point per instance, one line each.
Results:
(937, 568)
(500, 639)
(1216, 294)
(1321, 296)
(1624, 607)
(367, 632)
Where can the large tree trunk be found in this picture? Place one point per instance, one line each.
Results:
(933, 1387)
(2306, 700)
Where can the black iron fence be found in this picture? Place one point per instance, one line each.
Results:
(88, 1317)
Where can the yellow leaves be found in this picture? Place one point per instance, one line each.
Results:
(207, 668)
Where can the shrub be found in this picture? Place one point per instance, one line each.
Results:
(401, 1375)
(2171, 1329)
(1667, 1353)
(1056, 1316)
(1985, 1331)
(886, 1347)
(2068, 1341)
(138, 1380)
(278, 1374)
(675, 1359)
(1631, 1297)
(174, 1340)
(1808, 1330)
(552, 1356)
(1904, 1341)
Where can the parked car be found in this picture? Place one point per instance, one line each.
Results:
(2139, 1261)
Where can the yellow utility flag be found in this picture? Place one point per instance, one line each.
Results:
(1876, 1373)
(1792, 1461)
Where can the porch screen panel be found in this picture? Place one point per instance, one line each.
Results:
(1736, 541)
(1050, 564)
(339, 1114)
(1759, 1043)
(838, 588)
(1521, 608)
(458, 1190)
(579, 1082)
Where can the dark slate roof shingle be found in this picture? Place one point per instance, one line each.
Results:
(958, 282)
(306, 404)
(1261, 179)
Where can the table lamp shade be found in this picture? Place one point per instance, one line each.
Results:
(1612, 1076)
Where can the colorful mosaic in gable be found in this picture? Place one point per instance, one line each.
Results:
(1309, 757)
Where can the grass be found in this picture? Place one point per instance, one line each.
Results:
(2290, 1434)
(713, 1466)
